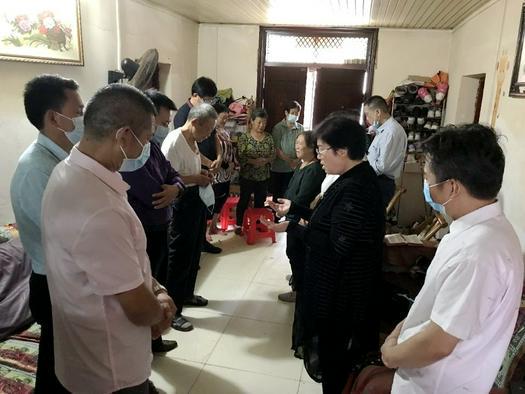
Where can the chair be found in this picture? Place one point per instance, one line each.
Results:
(227, 213)
(255, 230)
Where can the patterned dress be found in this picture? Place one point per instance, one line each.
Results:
(249, 148)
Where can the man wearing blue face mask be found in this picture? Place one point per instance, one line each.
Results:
(154, 185)
(51, 102)
(456, 333)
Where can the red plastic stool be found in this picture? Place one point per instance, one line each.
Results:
(254, 230)
(226, 212)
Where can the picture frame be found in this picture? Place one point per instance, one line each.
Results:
(517, 85)
(41, 31)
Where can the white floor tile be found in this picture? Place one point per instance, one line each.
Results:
(198, 344)
(219, 380)
(260, 303)
(223, 294)
(174, 376)
(310, 388)
(258, 347)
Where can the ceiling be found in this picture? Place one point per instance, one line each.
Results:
(413, 14)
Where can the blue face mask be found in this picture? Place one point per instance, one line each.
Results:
(428, 198)
(160, 133)
(130, 165)
(292, 118)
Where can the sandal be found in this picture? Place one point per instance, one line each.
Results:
(181, 324)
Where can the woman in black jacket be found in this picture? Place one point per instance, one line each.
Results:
(344, 242)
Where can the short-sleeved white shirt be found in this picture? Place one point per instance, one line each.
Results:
(472, 291)
(182, 158)
(95, 247)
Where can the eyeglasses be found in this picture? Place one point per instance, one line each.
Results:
(322, 151)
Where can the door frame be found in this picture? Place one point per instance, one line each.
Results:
(369, 67)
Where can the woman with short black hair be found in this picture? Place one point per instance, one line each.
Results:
(343, 241)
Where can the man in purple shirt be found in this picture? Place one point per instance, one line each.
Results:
(153, 188)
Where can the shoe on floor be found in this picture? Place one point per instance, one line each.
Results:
(287, 297)
(151, 388)
(180, 323)
(238, 230)
(164, 347)
(196, 300)
(209, 248)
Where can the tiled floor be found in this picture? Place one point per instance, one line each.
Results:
(241, 341)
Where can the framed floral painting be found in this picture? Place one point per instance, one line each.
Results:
(43, 31)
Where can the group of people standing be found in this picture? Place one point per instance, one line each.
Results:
(112, 208)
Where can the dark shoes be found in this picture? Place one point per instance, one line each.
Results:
(196, 300)
(209, 248)
(164, 346)
(288, 297)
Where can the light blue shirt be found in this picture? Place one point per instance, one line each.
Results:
(386, 154)
(27, 189)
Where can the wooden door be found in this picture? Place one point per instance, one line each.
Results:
(337, 89)
(281, 85)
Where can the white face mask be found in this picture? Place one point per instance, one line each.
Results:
(130, 165)
(76, 134)
(207, 195)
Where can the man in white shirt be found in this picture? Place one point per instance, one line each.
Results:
(386, 154)
(106, 306)
(188, 225)
(458, 329)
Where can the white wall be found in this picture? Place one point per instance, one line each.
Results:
(175, 36)
(228, 54)
(144, 26)
(477, 46)
(474, 51)
(402, 52)
(510, 122)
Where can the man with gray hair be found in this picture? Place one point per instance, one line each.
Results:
(188, 225)
(387, 152)
(106, 305)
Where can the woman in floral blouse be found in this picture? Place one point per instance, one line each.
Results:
(256, 151)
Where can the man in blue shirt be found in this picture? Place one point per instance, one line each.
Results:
(386, 154)
(51, 103)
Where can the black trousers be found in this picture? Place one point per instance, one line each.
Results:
(296, 254)
(259, 190)
(222, 192)
(387, 187)
(279, 183)
(157, 249)
(187, 233)
(334, 359)
(40, 305)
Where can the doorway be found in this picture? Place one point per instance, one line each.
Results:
(325, 70)
(470, 98)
